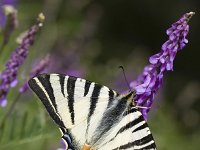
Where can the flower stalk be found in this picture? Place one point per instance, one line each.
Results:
(10, 110)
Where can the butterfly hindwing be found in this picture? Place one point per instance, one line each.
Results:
(128, 131)
(92, 114)
(134, 131)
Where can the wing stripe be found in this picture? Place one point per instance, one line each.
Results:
(45, 81)
(144, 141)
(70, 90)
(62, 83)
(111, 98)
(148, 147)
(93, 102)
(94, 99)
(129, 111)
(140, 127)
(87, 87)
(128, 126)
(40, 93)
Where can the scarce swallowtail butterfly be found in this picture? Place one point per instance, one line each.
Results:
(91, 116)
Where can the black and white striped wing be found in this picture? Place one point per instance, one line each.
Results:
(73, 103)
(131, 133)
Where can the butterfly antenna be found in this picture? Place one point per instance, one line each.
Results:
(121, 67)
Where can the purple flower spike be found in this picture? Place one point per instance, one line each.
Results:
(151, 79)
(8, 78)
(38, 68)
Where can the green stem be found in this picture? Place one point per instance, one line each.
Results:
(10, 110)
(2, 47)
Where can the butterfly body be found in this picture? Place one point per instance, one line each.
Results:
(91, 116)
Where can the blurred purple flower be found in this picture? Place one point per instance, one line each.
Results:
(63, 145)
(75, 72)
(69, 65)
(9, 2)
(151, 79)
(2, 15)
(37, 68)
(8, 78)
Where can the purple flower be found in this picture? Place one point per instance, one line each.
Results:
(37, 68)
(8, 78)
(63, 144)
(151, 79)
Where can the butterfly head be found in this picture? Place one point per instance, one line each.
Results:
(129, 97)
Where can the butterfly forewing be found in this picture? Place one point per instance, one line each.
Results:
(93, 114)
(73, 102)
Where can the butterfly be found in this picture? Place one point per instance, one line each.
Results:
(91, 116)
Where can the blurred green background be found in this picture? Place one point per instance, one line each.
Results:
(94, 38)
